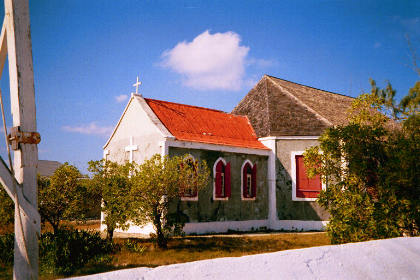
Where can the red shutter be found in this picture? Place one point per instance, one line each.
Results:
(218, 184)
(227, 180)
(254, 181)
(245, 180)
(305, 187)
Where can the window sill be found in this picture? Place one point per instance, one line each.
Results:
(304, 199)
(189, 198)
(221, 198)
(248, 198)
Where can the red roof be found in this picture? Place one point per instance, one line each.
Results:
(197, 124)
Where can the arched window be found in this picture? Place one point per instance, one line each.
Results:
(249, 180)
(221, 179)
(189, 192)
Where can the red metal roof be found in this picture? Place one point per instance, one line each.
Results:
(197, 124)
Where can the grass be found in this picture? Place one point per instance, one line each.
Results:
(194, 248)
(143, 252)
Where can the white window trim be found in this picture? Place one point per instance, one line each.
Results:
(214, 180)
(189, 198)
(242, 181)
(293, 176)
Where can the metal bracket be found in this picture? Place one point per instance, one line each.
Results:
(16, 136)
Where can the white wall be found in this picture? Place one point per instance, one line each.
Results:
(146, 135)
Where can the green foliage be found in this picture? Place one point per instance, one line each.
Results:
(6, 249)
(111, 182)
(65, 251)
(7, 208)
(63, 196)
(371, 167)
(158, 181)
(134, 246)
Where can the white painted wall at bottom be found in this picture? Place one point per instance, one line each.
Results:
(225, 226)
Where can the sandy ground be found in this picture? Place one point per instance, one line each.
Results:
(397, 258)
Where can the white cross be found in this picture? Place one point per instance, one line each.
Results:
(137, 85)
(131, 148)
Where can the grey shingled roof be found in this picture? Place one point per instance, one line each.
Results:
(47, 167)
(277, 107)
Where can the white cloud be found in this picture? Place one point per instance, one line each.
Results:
(91, 128)
(210, 61)
(121, 98)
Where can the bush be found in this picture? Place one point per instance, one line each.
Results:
(68, 250)
(6, 249)
(372, 169)
(134, 246)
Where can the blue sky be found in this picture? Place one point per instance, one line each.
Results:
(87, 55)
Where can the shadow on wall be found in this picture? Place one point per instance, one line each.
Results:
(287, 209)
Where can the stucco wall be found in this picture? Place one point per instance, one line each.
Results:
(145, 135)
(287, 209)
(208, 210)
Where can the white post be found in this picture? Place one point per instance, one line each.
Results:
(272, 199)
(22, 95)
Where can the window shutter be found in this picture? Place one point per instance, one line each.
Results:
(305, 187)
(254, 181)
(218, 184)
(227, 180)
(245, 181)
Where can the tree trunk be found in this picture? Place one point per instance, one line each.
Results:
(161, 240)
(55, 228)
(110, 233)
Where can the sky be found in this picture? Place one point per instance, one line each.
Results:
(87, 55)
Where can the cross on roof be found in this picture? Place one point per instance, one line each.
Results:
(137, 84)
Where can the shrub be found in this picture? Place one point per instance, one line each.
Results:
(134, 246)
(371, 166)
(6, 249)
(68, 250)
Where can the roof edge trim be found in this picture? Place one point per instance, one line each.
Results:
(118, 123)
(153, 117)
(217, 147)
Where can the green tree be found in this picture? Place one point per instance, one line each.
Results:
(62, 196)
(371, 168)
(157, 182)
(7, 208)
(112, 183)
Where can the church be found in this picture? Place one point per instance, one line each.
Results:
(258, 179)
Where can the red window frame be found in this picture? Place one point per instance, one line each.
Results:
(249, 170)
(306, 187)
(192, 192)
(222, 179)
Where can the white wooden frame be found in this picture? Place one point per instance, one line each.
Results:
(15, 44)
(242, 181)
(214, 180)
(293, 176)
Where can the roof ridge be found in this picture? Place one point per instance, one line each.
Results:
(268, 107)
(193, 106)
(310, 109)
(309, 86)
